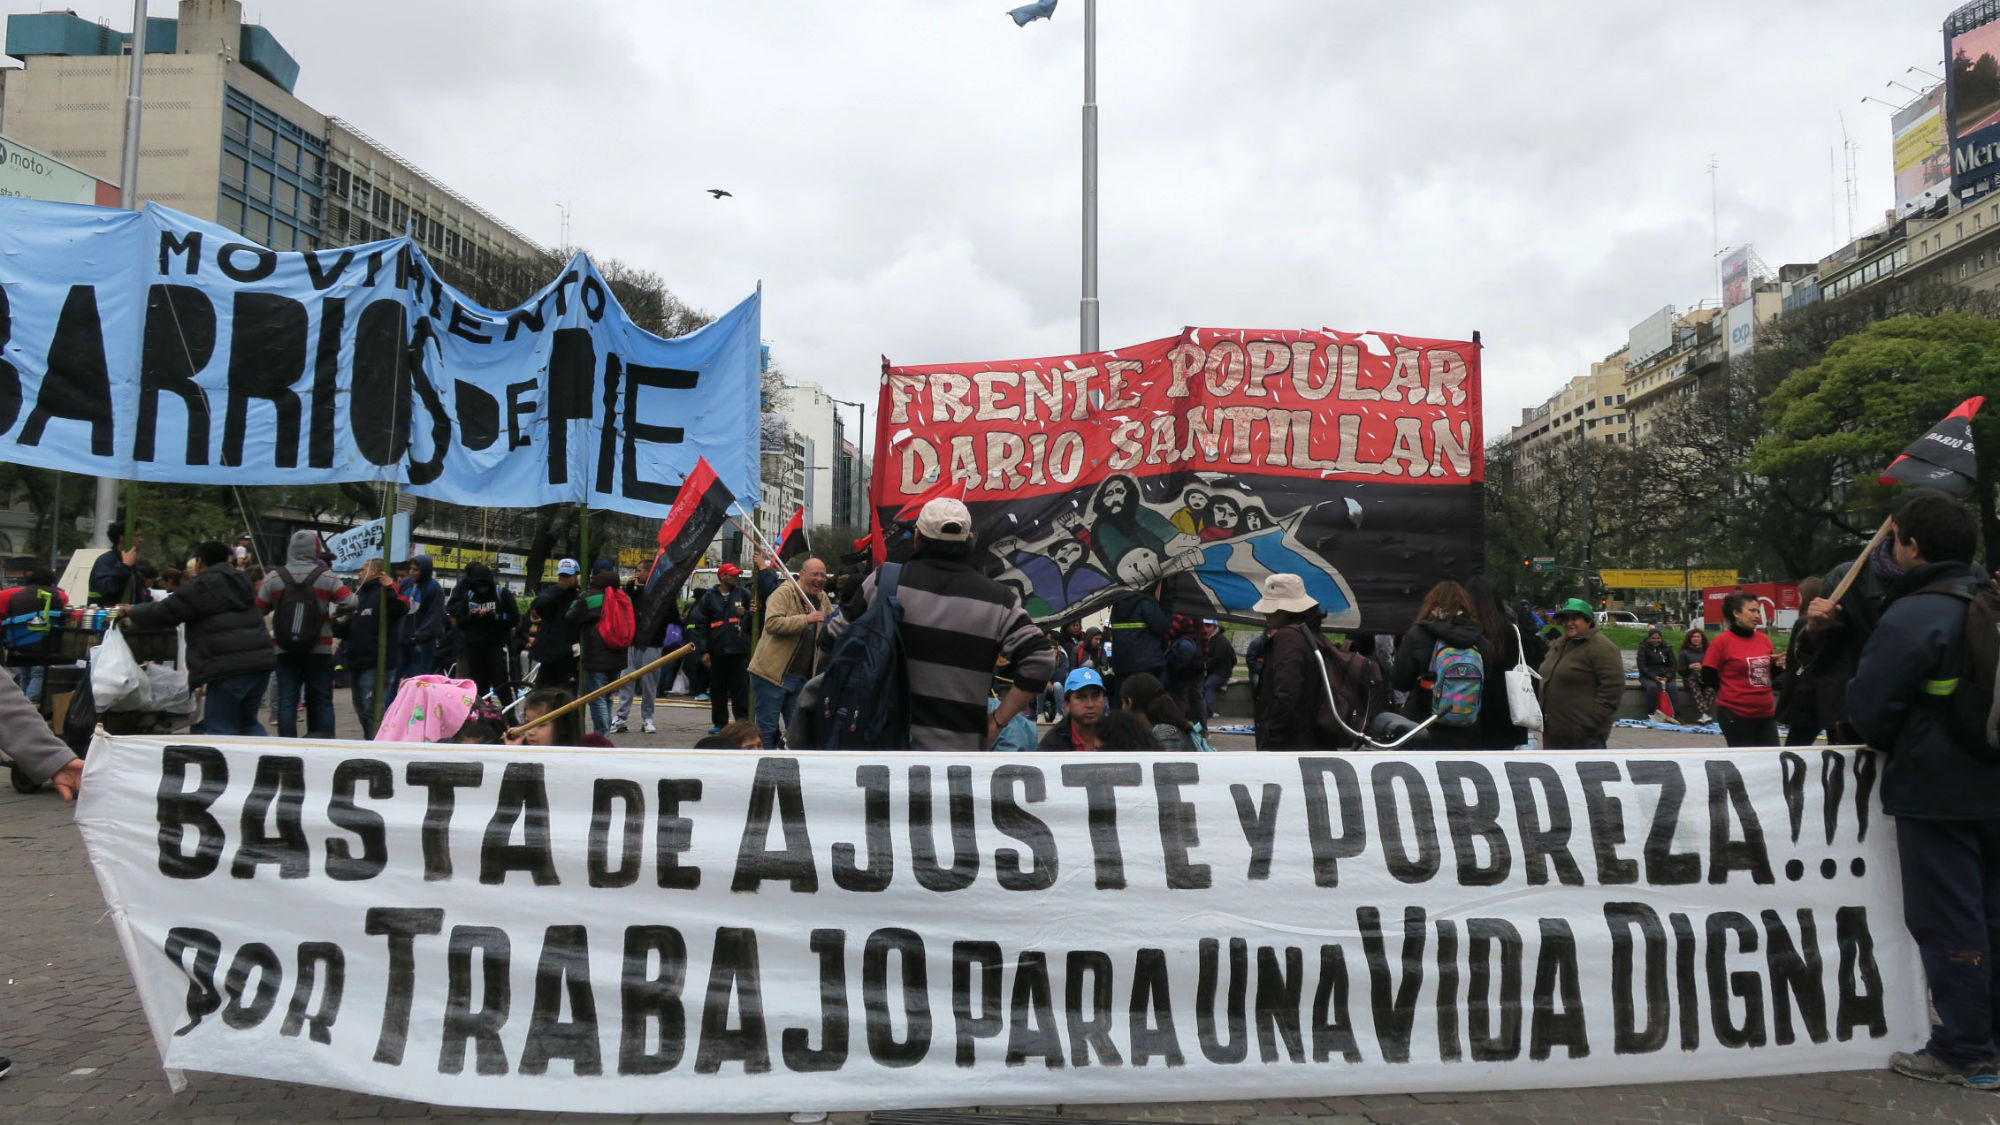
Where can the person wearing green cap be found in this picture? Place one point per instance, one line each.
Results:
(1583, 677)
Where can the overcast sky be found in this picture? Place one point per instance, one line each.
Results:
(906, 172)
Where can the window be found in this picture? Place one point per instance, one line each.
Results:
(260, 183)
(399, 213)
(363, 194)
(1978, 221)
(264, 140)
(236, 123)
(288, 155)
(231, 214)
(381, 209)
(233, 169)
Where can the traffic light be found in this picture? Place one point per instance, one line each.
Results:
(1526, 561)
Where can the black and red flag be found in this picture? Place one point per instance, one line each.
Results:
(792, 540)
(700, 509)
(1943, 458)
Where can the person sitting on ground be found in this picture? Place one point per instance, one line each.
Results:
(1083, 710)
(1656, 671)
(1126, 732)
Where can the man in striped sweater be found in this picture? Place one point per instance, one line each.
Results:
(957, 625)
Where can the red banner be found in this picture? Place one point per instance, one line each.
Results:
(1277, 443)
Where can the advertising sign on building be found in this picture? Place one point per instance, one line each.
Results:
(1972, 97)
(1736, 277)
(28, 174)
(1741, 323)
(1651, 336)
(1778, 600)
(1665, 579)
(1923, 160)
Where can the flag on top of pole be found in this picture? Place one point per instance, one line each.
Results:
(700, 507)
(792, 540)
(1943, 458)
(1028, 13)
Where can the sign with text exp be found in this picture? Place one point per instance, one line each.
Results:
(153, 346)
(636, 931)
(1214, 459)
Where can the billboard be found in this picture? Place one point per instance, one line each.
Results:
(1972, 97)
(1736, 277)
(1741, 323)
(1212, 460)
(1923, 160)
(1650, 336)
(28, 174)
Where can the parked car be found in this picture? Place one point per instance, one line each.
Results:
(1619, 617)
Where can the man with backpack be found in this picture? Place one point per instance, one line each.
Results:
(1138, 637)
(26, 613)
(1921, 694)
(719, 627)
(1293, 709)
(302, 596)
(956, 625)
(603, 621)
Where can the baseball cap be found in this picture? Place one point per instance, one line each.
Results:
(945, 520)
(729, 570)
(1083, 678)
(566, 566)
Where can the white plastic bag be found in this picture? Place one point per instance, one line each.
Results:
(117, 683)
(1522, 706)
(169, 686)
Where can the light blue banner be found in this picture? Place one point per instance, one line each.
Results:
(154, 346)
(358, 544)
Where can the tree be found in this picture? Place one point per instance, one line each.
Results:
(1843, 420)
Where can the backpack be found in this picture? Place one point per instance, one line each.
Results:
(1356, 685)
(615, 623)
(1458, 681)
(296, 618)
(1185, 659)
(1972, 713)
(864, 694)
(25, 632)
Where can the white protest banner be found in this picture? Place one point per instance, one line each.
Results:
(643, 931)
(357, 545)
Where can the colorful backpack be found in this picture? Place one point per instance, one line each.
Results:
(1458, 680)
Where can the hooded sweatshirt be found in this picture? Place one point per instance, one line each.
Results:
(425, 622)
(485, 615)
(303, 564)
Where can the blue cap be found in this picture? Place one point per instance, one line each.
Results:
(1083, 678)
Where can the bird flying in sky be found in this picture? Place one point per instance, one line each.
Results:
(719, 193)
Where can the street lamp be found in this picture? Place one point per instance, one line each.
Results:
(1087, 307)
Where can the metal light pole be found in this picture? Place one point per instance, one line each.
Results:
(106, 508)
(1087, 308)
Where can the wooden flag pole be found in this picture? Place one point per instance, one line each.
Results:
(1861, 560)
(614, 685)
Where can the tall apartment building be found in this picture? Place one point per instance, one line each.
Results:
(1589, 408)
(224, 139)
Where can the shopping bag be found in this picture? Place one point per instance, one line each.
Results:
(1522, 706)
(117, 683)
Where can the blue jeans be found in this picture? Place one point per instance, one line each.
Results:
(312, 672)
(600, 708)
(364, 682)
(30, 681)
(414, 659)
(233, 703)
(775, 703)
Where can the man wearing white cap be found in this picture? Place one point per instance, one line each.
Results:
(957, 626)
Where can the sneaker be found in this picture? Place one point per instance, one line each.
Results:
(1704, 718)
(702, 698)
(1926, 1067)
(715, 730)
(617, 728)
(5, 1066)
(649, 728)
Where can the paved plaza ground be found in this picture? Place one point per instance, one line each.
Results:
(71, 1021)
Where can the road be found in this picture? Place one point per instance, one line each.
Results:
(70, 1020)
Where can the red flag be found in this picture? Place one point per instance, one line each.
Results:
(700, 507)
(792, 540)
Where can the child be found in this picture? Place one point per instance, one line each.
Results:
(565, 730)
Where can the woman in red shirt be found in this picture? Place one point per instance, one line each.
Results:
(1741, 667)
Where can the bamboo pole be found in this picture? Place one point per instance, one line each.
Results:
(382, 606)
(614, 685)
(1861, 560)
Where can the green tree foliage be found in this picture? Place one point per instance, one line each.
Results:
(1846, 417)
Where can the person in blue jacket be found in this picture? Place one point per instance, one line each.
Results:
(1940, 782)
(418, 632)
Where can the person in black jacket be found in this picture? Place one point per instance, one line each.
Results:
(485, 616)
(1447, 619)
(1138, 637)
(719, 627)
(1940, 783)
(1221, 665)
(228, 648)
(1656, 672)
(599, 660)
(376, 600)
(554, 646)
(113, 581)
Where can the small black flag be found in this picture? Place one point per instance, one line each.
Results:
(1943, 458)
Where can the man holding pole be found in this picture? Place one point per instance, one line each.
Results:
(784, 660)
